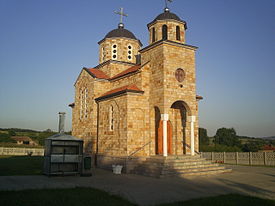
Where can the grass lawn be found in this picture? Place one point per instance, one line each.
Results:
(225, 200)
(20, 165)
(88, 196)
(61, 197)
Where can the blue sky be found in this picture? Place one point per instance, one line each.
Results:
(45, 43)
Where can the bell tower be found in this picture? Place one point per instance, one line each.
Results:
(173, 85)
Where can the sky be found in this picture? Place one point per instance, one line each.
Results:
(44, 44)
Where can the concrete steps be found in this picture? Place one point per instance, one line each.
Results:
(182, 166)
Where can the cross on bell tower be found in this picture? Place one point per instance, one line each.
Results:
(121, 25)
(166, 9)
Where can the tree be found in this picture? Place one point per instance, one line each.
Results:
(228, 137)
(48, 130)
(12, 133)
(204, 139)
(251, 147)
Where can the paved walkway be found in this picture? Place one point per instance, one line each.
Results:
(256, 181)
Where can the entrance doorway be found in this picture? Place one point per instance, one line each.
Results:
(178, 117)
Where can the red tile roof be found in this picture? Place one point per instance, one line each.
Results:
(97, 73)
(121, 90)
(21, 138)
(127, 71)
(268, 147)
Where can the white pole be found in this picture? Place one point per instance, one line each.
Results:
(164, 118)
(193, 119)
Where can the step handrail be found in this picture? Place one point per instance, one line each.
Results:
(187, 145)
(138, 149)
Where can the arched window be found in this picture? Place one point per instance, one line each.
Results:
(111, 118)
(83, 97)
(178, 33)
(164, 32)
(102, 54)
(153, 35)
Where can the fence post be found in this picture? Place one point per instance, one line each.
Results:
(250, 158)
(237, 158)
(224, 157)
(212, 156)
(265, 159)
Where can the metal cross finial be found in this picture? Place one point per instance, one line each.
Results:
(121, 14)
(166, 2)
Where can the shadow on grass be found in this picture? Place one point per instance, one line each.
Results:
(225, 200)
(60, 197)
(248, 188)
(21, 165)
(88, 196)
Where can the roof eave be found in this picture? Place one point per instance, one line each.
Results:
(102, 40)
(155, 21)
(117, 94)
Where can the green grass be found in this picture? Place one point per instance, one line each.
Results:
(89, 196)
(225, 200)
(20, 165)
(61, 197)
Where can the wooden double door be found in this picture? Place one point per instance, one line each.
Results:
(160, 138)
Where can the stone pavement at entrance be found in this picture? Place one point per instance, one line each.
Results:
(255, 181)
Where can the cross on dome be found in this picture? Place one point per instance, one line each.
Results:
(166, 9)
(121, 25)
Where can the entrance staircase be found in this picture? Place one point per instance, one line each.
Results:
(181, 166)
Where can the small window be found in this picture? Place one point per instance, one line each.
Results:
(111, 118)
(130, 48)
(164, 32)
(102, 54)
(153, 35)
(178, 33)
(114, 51)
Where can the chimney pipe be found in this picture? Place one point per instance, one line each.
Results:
(61, 129)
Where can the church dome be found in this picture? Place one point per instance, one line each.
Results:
(120, 32)
(166, 15)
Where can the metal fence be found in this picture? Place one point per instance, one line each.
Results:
(18, 151)
(242, 158)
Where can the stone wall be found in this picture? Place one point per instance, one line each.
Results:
(241, 158)
(18, 151)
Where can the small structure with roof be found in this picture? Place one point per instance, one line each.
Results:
(24, 140)
(63, 153)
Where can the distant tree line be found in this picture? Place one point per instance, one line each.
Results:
(227, 140)
(37, 136)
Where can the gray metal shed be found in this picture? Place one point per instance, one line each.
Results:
(63, 153)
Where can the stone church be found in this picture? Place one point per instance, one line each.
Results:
(139, 102)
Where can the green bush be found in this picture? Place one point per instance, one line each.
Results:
(219, 148)
(6, 138)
